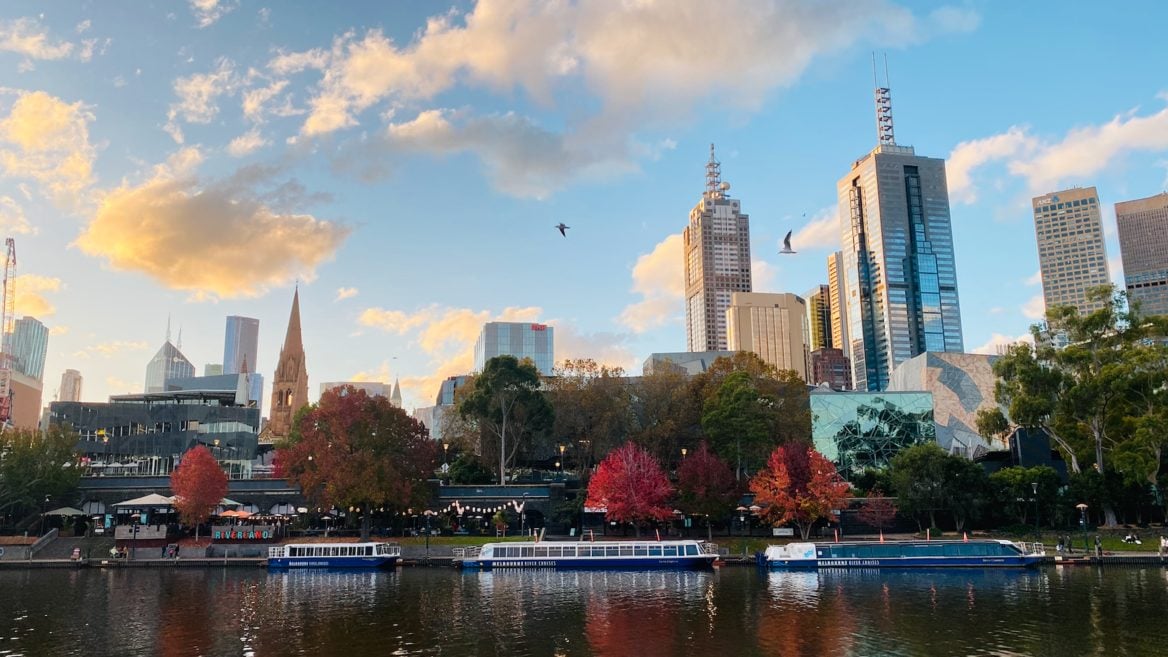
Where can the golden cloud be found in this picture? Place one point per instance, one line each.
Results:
(48, 141)
(221, 240)
(659, 278)
(12, 219)
(30, 294)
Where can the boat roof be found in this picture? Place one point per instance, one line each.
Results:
(912, 542)
(332, 543)
(644, 542)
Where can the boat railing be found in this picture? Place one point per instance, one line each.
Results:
(389, 550)
(471, 552)
(1033, 549)
(711, 548)
(276, 552)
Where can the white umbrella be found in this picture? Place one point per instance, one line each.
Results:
(65, 511)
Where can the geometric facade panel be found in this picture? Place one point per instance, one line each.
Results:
(861, 430)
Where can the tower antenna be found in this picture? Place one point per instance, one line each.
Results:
(713, 175)
(884, 133)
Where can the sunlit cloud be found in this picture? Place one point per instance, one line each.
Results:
(997, 342)
(46, 140)
(658, 279)
(12, 219)
(30, 294)
(206, 12)
(822, 231)
(1034, 308)
(345, 293)
(26, 36)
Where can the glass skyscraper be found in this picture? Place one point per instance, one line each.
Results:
(240, 344)
(518, 339)
(30, 343)
(168, 364)
(898, 258)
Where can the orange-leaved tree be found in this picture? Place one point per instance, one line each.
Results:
(631, 485)
(199, 484)
(350, 450)
(798, 485)
(878, 511)
(707, 485)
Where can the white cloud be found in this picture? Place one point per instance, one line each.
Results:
(763, 276)
(998, 341)
(47, 140)
(58, 329)
(821, 232)
(1034, 308)
(255, 100)
(1035, 278)
(969, 155)
(198, 96)
(345, 293)
(83, 26)
(12, 219)
(658, 276)
(112, 348)
(25, 36)
(247, 143)
(30, 294)
(208, 11)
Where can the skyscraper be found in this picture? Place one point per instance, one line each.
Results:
(717, 261)
(898, 257)
(1071, 256)
(518, 339)
(70, 386)
(30, 343)
(240, 343)
(168, 363)
(837, 299)
(819, 317)
(1143, 245)
(290, 383)
(774, 326)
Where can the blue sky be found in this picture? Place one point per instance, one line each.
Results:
(406, 162)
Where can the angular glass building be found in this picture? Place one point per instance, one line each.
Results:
(861, 430)
(240, 344)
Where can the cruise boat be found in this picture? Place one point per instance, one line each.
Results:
(611, 555)
(334, 555)
(903, 554)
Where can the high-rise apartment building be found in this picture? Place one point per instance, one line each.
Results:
(717, 261)
(819, 317)
(1143, 245)
(70, 386)
(898, 257)
(774, 326)
(240, 344)
(290, 383)
(837, 295)
(518, 339)
(1071, 256)
(30, 343)
(831, 367)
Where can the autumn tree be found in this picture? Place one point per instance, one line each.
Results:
(631, 485)
(34, 466)
(592, 408)
(350, 450)
(798, 485)
(878, 511)
(199, 484)
(507, 403)
(667, 416)
(706, 485)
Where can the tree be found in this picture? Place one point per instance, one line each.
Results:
(631, 485)
(792, 420)
(199, 484)
(739, 419)
(964, 489)
(666, 415)
(706, 484)
(507, 403)
(593, 408)
(467, 469)
(878, 511)
(798, 485)
(34, 466)
(1012, 490)
(918, 479)
(357, 452)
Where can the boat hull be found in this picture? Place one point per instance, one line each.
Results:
(905, 562)
(703, 562)
(336, 563)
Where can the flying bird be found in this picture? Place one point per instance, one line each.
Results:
(787, 244)
(562, 228)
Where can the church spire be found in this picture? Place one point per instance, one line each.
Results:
(395, 397)
(292, 338)
(290, 384)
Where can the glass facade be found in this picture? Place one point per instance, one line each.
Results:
(1143, 245)
(240, 344)
(860, 430)
(168, 364)
(518, 339)
(30, 343)
(899, 270)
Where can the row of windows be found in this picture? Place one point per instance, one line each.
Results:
(555, 551)
(331, 551)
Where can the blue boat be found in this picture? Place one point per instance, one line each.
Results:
(334, 555)
(597, 555)
(903, 554)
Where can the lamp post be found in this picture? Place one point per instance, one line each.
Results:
(44, 506)
(561, 463)
(1034, 487)
(445, 452)
(137, 517)
(429, 514)
(523, 515)
(1083, 524)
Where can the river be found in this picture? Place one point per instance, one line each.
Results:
(731, 611)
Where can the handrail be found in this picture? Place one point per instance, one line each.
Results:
(41, 542)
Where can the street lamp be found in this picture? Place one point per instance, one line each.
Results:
(1034, 487)
(1083, 524)
(561, 463)
(523, 514)
(44, 506)
(684, 451)
(445, 452)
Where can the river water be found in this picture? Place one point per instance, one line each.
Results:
(731, 611)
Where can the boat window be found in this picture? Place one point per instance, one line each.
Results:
(541, 552)
(569, 550)
(527, 551)
(384, 550)
(595, 551)
(670, 550)
(654, 550)
(626, 550)
(691, 550)
(641, 550)
(612, 550)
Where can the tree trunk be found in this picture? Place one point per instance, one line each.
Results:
(503, 445)
(804, 530)
(709, 530)
(366, 521)
(932, 518)
(958, 521)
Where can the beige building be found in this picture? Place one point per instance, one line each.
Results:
(1071, 255)
(774, 326)
(1143, 245)
(837, 291)
(70, 386)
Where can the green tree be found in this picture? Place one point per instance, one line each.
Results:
(593, 408)
(467, 469)
(34, 466)
(918, 478)
(507, 403)
(1013, 491)
(792, 407)
(965, 489)
(740, 420)
(667, 416)
(353, 451)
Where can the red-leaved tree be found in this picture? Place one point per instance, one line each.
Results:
(878, 511)
(199, 484)
(798, 485)
(353, 450)
(630, 483)
(706, 485)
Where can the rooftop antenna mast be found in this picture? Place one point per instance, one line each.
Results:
(884, 132)
(713, 175)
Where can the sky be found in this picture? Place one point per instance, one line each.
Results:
(405, 163)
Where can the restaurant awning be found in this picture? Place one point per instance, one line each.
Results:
(153, 499)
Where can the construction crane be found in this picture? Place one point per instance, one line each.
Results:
(7, 321)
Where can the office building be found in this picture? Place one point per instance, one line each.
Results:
(290, 383)
(899, 267)
(774, 326)
(240, 344)
(70, 386)
(836, 299)
(371, 388)
(819, 317)
(1143, 245)
(30, 343)
(167, 364)
(832, 368)
(689, 362)
(1071, 256)
(247, 386)
(717, 261)
(25, 394)
(518, 339)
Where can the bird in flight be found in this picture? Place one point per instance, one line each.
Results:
(562, 228)
(787, 244)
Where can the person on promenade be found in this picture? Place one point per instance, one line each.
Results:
(1098, 546)
(1163, 546)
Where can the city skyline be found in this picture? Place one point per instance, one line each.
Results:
(417, 202)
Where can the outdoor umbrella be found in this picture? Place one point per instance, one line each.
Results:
(65, 511)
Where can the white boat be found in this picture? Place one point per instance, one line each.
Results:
(612, 555)
(903, 554)
(334, 555)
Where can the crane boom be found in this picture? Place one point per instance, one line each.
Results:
(7, 321)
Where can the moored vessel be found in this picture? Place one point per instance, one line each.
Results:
(613, 555)
(903, 554)
(334, 555)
